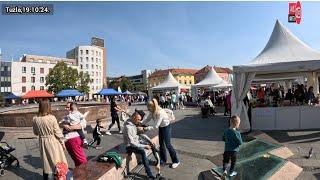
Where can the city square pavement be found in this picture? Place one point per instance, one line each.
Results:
(195, 139)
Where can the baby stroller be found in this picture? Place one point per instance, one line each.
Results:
(6, 158)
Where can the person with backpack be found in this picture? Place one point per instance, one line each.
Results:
(162, 118)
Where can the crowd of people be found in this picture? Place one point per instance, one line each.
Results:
(171, 100)
(275, 96)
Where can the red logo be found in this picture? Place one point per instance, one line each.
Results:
(295, 12)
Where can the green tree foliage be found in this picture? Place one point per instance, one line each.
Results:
(124, 83)
(84, 80)
(63, 77)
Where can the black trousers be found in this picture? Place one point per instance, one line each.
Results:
(96, 139)
(227, 156)
(115, 118)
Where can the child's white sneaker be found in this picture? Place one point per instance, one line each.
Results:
(120, 132)
(175, 165)
(108, 133)
(233, 173)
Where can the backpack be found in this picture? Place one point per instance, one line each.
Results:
(170, 114)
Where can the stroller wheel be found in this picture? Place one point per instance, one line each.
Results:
(1, 172)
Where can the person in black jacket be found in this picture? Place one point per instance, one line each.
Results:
(97, 134)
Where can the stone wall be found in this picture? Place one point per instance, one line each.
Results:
(24, 119)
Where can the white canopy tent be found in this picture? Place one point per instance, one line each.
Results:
(211, 79)
(284, 55)
(169, 84)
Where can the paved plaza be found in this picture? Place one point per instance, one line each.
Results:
(196, 140)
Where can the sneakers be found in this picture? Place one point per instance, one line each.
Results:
(175, 165)
(85, 144)
(98, 147)
(120, 132)
(233, 173)
(108, 133)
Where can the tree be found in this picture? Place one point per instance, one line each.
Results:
(63, 77)
(84, 80)
(124, 83)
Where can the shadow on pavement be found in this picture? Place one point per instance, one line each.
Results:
(35, 162)
(283, 137)
(197, 128)
(25, 174)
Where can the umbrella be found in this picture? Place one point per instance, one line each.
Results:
(69, 93)
(11, 96)
(37, 94)
(127, 93)
(109, 92)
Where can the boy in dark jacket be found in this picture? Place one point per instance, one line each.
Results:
(233, 140)
(97, 134)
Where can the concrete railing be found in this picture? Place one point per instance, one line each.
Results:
(95, 170)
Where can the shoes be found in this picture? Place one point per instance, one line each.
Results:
(120, 132)
(175, 165)
(162, 163)
(233, 173)
(108, 133)
(85, 144)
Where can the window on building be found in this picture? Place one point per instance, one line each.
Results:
(33, 70)
(33, 88)
(87, 59)
(2, 89)
(92, 60)
(81, 67)
(2, 68)
(180, 81)
(99, 53)
(23, 89)
(9, 89)
(96, 73)
(24, 69)
(97, 87)
(190, 82)
(2, 78)
(87, 72)
(96, 53)
(50, 69)
(92, 73)
(41, 87)
(87, 66)
(92, 66)
(185, 82)
(33, 79)
(92, 80)
(41, 79)
(87, 52)
(9, 79)
(92, 87)
(97, 81)
(81, 52)
(81, 59)
(24, 79)
(96, 60)
(96, 66)
(41, 70)
(9, 68)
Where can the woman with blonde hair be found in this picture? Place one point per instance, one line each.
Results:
(51, 144)
(161, 120)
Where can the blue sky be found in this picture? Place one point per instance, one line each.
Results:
(149, 35)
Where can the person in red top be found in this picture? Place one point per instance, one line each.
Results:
(261, 95)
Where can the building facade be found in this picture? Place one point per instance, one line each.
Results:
(183, 76)
(92, 60)
(224, 73)
(30, 74)
(5, 77)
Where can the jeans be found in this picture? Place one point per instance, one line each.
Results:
(227, 155)
(144, 157)
(165, 141)
(115, 118)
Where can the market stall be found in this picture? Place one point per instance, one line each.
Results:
(284, 56)
(211, 79)
(170, 84)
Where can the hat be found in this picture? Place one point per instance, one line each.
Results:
(140, 112)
